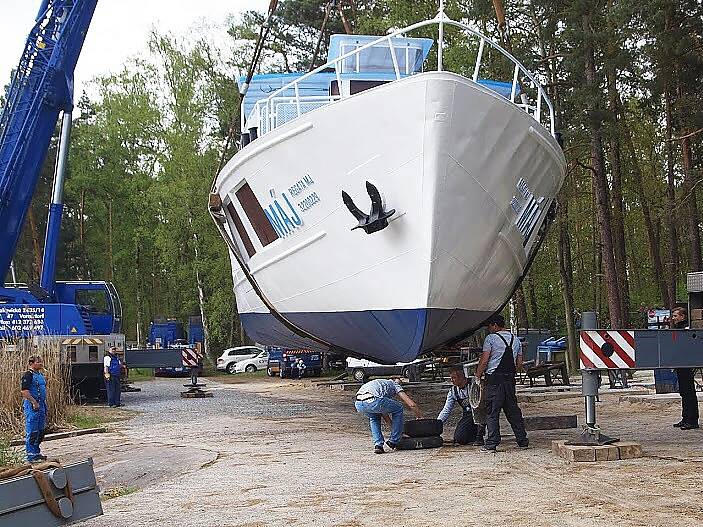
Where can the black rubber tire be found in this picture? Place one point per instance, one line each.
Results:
(250, 369)
(269, 372)
(230, 367)
(417, 443)
(406, 372)
(359, 375)
(424, 427)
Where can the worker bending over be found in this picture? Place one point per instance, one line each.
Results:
(501, 357)
(33, 390)
(375, 400)
(467, 431)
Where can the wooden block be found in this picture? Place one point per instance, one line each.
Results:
(696, 314)
(607, 453)
(629, 449)
(575, 453)
(696, 324)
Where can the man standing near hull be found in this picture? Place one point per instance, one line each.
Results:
(501, 357)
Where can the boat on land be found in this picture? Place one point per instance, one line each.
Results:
(380, 208)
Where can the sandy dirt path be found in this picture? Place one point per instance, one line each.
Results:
(271, 453)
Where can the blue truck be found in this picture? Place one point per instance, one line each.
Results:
(282, 362)
(169, 333)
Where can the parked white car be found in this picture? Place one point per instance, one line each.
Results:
(362, 369)
(260, 362)
(231, 356)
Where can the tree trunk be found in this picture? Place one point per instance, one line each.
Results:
(201, 294)
(673, 264)
(138, 290)
(618, 209)
(110, 249)
(600, 181)
(532, 297)
(690, 183)
(81, 235)
(566, 279)
(521, 307)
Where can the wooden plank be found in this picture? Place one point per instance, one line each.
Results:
(550, 422)
(64, 435)
(629, 449)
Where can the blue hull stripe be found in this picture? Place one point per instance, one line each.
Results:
(398, 335)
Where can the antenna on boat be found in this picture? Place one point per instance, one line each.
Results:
(440, 44)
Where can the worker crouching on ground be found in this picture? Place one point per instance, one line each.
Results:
(33, 391)
(501, 357)
(687, 385)
(375, 400)
(467, 431)
(112, 370)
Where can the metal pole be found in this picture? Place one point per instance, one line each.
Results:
(589, 382)
(440, 48)
(53, 225)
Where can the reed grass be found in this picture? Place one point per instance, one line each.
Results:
(14, 358)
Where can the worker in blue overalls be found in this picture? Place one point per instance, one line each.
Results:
(112, 369)
(33, 391)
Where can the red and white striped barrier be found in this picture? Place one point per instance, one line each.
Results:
(607, 349)
(190, 357)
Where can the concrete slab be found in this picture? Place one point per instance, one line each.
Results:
(614, 452)
(655, 398)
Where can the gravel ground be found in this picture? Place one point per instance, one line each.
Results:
(281, 453)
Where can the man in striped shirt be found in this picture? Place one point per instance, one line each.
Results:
(467, 431)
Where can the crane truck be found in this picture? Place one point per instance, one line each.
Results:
(83, 317)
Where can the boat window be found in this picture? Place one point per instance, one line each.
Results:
(243, 235)
(378, 59)
(356, 86)
(257, 217)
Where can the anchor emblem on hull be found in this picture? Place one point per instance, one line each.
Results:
(377, 219)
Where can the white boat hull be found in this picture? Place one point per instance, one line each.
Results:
(471, 178)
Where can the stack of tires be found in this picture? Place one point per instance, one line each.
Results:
(422, 433)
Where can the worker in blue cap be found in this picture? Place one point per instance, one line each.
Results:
(33, 389)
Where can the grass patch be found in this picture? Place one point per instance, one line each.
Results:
(10, 456)
(116, 492)
(82, 417)
(82, 421)
(141, 374)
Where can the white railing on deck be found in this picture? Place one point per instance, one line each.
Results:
(277, 109)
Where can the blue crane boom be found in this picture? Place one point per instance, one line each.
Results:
(41, 88)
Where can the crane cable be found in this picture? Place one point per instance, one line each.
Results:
(263, 33)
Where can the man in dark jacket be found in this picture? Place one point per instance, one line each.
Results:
(687, 386)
